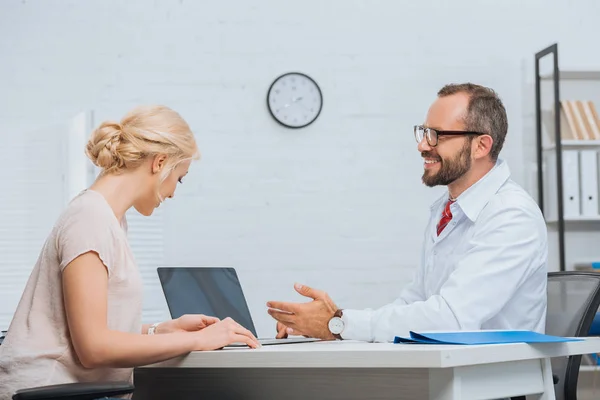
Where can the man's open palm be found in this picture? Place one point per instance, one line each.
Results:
(308, 319)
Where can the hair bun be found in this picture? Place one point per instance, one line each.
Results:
(142, 133)
(103, 146)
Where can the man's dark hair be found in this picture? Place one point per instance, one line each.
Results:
(485, 112)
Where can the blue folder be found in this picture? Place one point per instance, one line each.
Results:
(481, 337)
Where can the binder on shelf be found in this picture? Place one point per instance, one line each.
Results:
(588, 183)
(589, 112)
(579, 121)
(571, 202)
(570, 180)
(566, 131)
(569, 111)
(593, 116)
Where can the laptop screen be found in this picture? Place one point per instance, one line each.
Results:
(212, 291)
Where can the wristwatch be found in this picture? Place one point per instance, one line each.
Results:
(336, 325)
(152, 328)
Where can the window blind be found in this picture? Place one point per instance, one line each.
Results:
(33, 195)
(147, 244)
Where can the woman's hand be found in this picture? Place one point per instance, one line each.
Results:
(223, 333)
(211, 333)
(186, 323)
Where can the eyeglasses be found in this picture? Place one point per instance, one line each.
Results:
(431, 135)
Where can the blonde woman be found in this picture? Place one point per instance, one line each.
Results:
(79, 319)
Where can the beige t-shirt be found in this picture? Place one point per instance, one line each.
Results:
(37, 350)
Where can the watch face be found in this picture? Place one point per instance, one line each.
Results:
(294, 100)
(336, 325)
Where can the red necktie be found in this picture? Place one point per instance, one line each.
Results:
(446, 217)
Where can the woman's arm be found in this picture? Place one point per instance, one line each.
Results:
(185, 323)
(85, 283)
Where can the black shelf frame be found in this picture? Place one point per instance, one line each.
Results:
(550, 50)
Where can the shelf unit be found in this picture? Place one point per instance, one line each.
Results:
(589, 368)
(574, 219)
(556, 77)
(574, 144)
(585, 75)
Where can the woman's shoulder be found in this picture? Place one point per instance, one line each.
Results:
(89, 224)
(91, 206)
(87, 215)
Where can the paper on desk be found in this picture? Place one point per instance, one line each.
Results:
(481, 337)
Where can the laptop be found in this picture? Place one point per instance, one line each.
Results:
(213, 291)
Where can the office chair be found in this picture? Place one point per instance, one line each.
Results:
(73, 391)
(595, 329)
(573, 301)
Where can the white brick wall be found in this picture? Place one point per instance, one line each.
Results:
(338, 205)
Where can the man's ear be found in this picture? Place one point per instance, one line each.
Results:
(158, 164)
(483, 146)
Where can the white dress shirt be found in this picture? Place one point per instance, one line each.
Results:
(486, 270)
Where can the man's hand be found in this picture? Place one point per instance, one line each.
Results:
(308, 319)
(186, 323)
(281, 331)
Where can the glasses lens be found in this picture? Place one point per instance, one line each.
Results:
(419, 133)
(432, 137)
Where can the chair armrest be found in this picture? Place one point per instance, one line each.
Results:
(75, 391)
(595, 327)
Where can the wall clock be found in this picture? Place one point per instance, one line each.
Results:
(294, 100)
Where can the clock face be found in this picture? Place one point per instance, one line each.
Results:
(294, 100)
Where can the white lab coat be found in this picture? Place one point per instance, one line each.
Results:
(486, 270)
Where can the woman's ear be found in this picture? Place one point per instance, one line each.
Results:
(158, 163)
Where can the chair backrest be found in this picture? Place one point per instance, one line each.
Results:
(573, 300)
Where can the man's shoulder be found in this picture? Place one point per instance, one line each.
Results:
(513, 193)
(512, 196)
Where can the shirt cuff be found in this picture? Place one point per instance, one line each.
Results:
(357, 325)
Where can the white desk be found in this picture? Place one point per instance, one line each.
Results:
(355, 370)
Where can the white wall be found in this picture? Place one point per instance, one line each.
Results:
(338, 205)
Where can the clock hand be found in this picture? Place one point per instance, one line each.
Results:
(304, 106)
(294, 100)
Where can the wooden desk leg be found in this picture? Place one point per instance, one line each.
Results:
(493, 381)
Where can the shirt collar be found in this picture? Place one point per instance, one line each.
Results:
(475, 198)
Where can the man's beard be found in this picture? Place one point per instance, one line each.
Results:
(450, 170)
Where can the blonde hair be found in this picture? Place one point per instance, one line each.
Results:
(144, 132)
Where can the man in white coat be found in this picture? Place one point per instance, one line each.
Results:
(484, 254)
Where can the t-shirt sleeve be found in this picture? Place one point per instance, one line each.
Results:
(84, 231)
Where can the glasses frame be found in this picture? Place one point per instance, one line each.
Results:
(439, 133)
